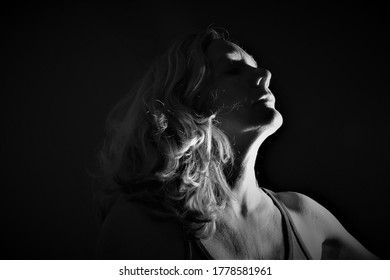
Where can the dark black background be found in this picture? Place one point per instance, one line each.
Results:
(65, 66)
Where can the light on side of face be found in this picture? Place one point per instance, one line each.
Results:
(239, 54)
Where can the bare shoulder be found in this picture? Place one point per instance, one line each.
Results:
(306, 208)
(296, 202)
(133, 230)
(313, 218)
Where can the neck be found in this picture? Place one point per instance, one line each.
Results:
(247, 194)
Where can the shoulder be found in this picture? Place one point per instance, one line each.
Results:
(133, 230)
(304, 206)
(313, 218)
(309, 215)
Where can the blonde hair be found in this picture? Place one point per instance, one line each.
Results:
(159, 131)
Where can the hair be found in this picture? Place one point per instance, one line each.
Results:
(159, 131)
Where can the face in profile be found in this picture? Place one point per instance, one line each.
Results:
(239, 89)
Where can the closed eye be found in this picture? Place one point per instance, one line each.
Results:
(237, 67)
(233, 70)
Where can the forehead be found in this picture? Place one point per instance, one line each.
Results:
(221, 50)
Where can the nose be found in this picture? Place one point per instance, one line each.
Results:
(263, 78)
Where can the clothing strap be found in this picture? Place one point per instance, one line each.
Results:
(294, 238)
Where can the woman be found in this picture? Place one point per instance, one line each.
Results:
(180, 163)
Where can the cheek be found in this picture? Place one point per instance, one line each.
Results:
(224, 95)
(234, 103)
(230, 95)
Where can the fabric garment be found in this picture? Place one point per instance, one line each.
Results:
(138, 216)
(295, 247)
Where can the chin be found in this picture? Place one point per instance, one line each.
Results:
(275, 122)
(270, 122)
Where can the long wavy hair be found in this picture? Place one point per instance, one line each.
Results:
(160, 132)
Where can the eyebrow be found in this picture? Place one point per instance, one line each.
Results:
(238, 55)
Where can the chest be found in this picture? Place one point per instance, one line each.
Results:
(249, 241)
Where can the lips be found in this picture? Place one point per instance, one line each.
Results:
(265, 97)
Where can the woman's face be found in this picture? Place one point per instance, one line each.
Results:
(240, 89)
